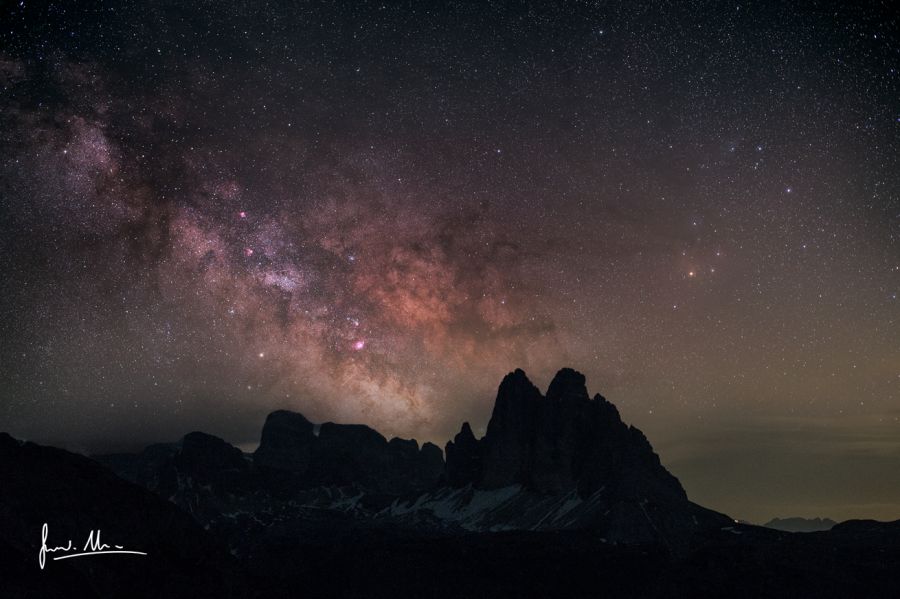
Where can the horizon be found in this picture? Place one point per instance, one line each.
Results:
(755, 514)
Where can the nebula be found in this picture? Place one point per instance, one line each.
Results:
(350, 212)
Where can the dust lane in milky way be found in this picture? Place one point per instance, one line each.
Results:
(372, 213)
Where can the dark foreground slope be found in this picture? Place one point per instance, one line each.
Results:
(293, 558)
(75, 495)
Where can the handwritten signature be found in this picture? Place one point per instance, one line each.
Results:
(92, 546)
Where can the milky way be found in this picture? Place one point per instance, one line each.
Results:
(372, 213)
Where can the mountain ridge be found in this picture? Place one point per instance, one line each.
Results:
(558, 495)
(799, 524)
(555, 461)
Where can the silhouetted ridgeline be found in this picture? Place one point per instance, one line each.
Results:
(801, 524)
(560, 497)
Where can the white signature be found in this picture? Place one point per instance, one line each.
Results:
(92, 546)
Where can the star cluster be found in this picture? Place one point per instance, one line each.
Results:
(371, 212)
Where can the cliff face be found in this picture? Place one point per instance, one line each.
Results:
(557, 442)
(344, 454)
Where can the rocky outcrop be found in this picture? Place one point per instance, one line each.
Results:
(200, 473)
(202, 453)
(463, 458)
(562, 460)
(343, 455)
(508, 447)
(207, 463)
(558, 442)
(554, 461)
(413, 467)
(286, 442)
(142, 468)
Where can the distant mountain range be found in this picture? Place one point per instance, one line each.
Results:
(559, 497)
(801, 524)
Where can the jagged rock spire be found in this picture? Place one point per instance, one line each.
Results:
(561, 441)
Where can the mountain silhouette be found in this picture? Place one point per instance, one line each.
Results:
(74, 495)
(344, 454)
(560, 461)
(801, 524)
(560, 497)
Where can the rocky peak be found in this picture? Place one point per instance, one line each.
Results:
(203, 460)
(510, 432)
(285, 442)
(463, 458)
(407, 446)
(432, 452)
(576, 463)
(568, 384)
(203, 453)
(558, 442)
(343, 455)
(515, 394)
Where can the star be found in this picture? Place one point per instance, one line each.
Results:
(427, 213)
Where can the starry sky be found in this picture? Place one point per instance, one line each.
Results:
(370, 212)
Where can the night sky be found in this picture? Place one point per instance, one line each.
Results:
(372, 212)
